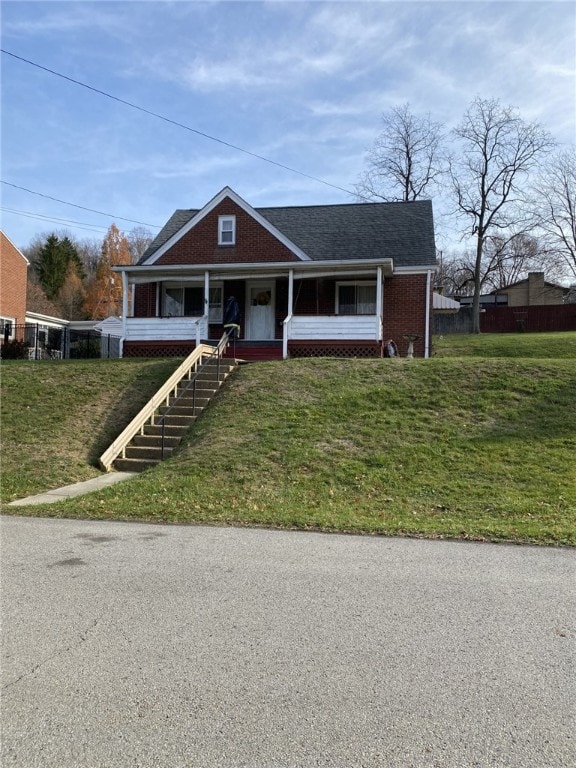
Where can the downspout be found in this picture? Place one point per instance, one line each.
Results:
(286, 323)
(379, 303)
(427, 332)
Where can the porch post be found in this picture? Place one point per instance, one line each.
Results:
(289, 315)
(125, 289)
(206, 310)
(379, 303)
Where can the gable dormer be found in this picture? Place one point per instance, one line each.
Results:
(227, 230)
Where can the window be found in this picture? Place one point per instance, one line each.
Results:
(6, 328)
(356, 298)
(215, 310)
(226, 230)
(188, 301)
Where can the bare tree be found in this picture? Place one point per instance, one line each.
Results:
(405, 160)
(556, 207)
(498, 150)
(506, 259)
(139, 239)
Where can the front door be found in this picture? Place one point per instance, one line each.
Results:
(260, 310)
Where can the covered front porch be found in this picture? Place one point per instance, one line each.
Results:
(291, 310)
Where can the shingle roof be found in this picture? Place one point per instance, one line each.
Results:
(403, 232)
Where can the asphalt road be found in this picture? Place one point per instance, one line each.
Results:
(168, 647)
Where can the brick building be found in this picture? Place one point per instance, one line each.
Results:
(13, 284)
(338, 280)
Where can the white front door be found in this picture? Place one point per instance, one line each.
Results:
(260, 310)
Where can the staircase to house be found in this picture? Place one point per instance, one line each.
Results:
(159, 427)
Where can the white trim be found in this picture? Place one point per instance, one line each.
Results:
(147, 273)
(216, 200)
(49, 320)
(379, 301)
(418, 269)
(11, 321)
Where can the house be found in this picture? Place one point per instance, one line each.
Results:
(337, 280)
(13, 282)
(533, 291)
(530, 292)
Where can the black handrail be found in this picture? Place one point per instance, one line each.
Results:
(223, 343)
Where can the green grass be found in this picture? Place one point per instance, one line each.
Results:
(456, 447)
(558, 346)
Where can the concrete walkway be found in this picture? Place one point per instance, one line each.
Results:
(77, 489)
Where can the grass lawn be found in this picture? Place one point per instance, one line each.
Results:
(464, 447)
(534, 345)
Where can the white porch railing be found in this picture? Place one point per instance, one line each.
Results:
(333, 327)
(162, 328)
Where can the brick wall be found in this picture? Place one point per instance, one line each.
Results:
(253, 241)
(405, 310)
(13, 281)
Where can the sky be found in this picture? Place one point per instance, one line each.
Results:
(302, 84)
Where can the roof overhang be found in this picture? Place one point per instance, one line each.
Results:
(144, 273)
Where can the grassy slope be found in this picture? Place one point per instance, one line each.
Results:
(463, 447)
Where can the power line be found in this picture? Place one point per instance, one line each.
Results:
(82, 207)
(179, 125)
(54, 220)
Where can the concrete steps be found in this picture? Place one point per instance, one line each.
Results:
(173, 420)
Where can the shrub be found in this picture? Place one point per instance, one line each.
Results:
(14, 350)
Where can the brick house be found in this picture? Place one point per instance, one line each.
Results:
(13, 284)
(337, 280)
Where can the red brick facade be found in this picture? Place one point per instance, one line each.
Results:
(13, 281)
(254, 243)
(405, 310)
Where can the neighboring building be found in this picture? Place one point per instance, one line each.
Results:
(533, 291)
(530, 292)
(13, 282)
(336, 280)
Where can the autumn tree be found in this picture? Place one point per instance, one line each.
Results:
(497, 151)
(104, 290)
(556, 207)
(72, 295)
(406, 159)
(37, 301)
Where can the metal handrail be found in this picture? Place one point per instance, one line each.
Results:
(217, 351)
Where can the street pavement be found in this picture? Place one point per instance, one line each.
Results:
(195, 647)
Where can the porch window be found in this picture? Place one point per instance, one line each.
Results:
(354, 298)
(216, 305)
(188, 301)
(226, 230)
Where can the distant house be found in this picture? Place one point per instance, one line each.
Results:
(13, 282)
(336, 280)
(532, 291)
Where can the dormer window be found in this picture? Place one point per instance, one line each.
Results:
(226, 230)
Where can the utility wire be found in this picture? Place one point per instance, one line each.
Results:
(92, 210)
(54, 220)
(179, 125)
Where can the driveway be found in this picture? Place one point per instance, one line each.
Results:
(184, 647)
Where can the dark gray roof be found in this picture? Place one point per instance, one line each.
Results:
(403, 232)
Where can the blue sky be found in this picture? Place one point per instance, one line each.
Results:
(301, 83)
